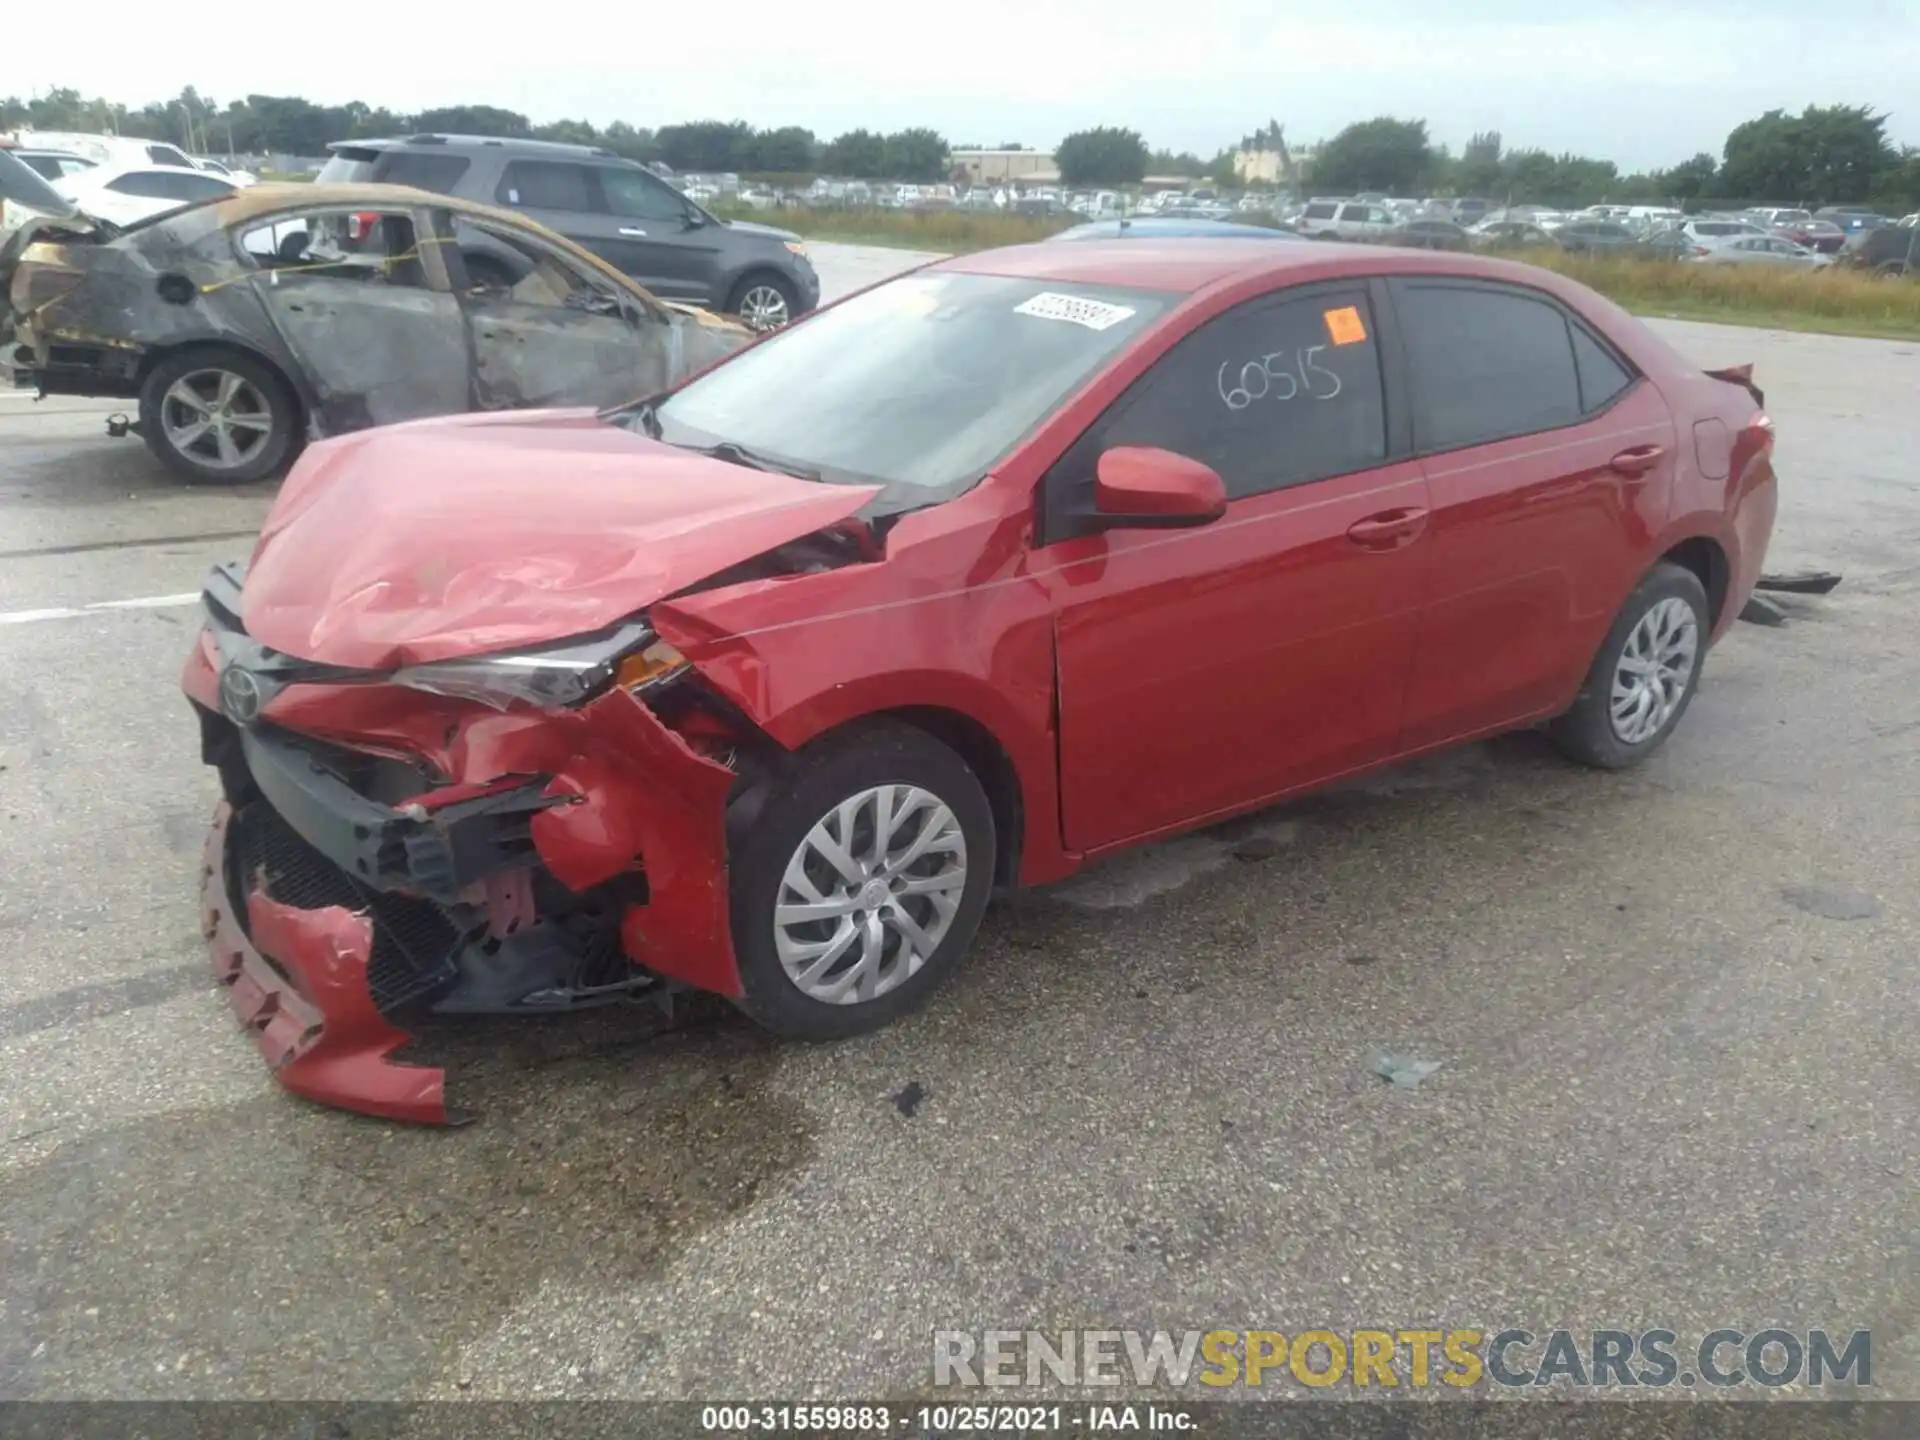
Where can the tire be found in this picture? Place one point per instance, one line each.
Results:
(1666, 608)
(262, 432)
(857, 765)
(764, 300)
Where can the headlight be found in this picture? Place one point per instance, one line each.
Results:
(796, 247)
(554, 677)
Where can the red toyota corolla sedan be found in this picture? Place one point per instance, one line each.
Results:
(763, 685)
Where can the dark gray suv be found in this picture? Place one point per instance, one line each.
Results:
(621, 211)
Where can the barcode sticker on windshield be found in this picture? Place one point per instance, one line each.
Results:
(1094, 314)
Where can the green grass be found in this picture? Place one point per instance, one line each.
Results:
(1836, 301)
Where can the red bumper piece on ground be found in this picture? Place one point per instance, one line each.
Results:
(309, 1009)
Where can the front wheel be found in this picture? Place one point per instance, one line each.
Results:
(219, 417)
(765, 302)
(860, 883)
(1645, 675)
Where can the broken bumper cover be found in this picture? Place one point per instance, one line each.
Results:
(297, 980)
(331, 915)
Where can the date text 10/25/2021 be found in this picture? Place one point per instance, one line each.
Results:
(947, 1419)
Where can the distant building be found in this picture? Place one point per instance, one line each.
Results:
(1272, 167)
(991, 166)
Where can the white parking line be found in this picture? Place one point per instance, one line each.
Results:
(73, 612)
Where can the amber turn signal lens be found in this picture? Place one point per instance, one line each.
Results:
(649, 666)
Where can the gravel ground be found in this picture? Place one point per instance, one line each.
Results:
(1673, 1012)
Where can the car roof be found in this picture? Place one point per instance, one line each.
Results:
(1187, 266)
(101, 175)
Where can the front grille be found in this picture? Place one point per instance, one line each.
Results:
(414, 941)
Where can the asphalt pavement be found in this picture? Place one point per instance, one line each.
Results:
(1673, 1012)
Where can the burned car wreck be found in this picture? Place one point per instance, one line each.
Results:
(246, 326)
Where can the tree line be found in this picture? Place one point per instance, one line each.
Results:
(1837, 154)
(1826, 155)
(290, 125)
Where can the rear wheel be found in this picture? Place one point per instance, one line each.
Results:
(861, 882)
(1645, 675)
(219, 416)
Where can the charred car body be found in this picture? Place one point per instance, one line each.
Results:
(246, 326)
(761, 686)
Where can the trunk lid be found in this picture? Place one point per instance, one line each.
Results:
(459, 536)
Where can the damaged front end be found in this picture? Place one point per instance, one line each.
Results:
(384, 852)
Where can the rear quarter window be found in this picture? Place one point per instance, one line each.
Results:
(436, 172)
(1320, 212)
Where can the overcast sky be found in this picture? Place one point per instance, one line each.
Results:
(1645, 84)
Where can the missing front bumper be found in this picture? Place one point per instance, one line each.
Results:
(298, 981)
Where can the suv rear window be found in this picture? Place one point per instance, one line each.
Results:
(347, 167)
(436, 172)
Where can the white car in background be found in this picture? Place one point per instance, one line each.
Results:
(127, 194)
(218, 167)
(1759, 250)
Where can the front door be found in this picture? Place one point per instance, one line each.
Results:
(1551, 467)
(655, 237)
(561, 336)
(1202, 671)
(374, 326)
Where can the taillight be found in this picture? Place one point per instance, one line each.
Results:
(1700, 250)
(360, 224)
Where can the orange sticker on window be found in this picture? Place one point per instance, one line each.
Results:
(1345, 327)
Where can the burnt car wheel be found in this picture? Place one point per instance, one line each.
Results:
(861, 882)
(219, 416)
(1645, 675)
(765, 302)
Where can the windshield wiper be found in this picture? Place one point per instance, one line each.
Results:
(737, 454)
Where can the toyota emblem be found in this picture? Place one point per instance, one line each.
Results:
(240, 694)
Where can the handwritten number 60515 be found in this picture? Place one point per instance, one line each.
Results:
(1261, 380)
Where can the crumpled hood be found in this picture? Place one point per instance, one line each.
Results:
(478, 533)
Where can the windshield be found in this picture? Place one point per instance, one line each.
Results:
(920, 385)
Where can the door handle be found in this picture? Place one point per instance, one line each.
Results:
(1388, 530)
(633, 230)
(1637, 461)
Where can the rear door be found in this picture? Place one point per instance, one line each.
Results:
(1550, 463)
(376, 331)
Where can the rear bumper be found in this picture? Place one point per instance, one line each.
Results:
(297, 981)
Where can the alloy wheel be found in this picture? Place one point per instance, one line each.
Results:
(869, 894)
(1655, 668)
(764, 307)
(216, 418)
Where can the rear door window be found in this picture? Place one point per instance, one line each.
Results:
(547, 185)
(1486, 362)
(430, 171)
(162, 185)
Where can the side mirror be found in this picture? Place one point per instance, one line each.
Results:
(1141, 487)
(695, 217)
